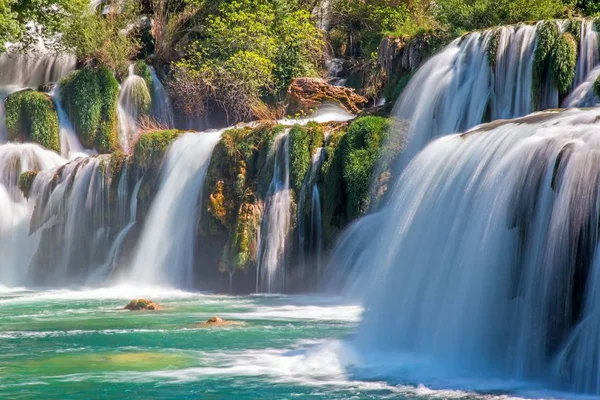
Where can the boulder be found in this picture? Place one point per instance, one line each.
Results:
(142, 305)
(306, 94)
(217, 322)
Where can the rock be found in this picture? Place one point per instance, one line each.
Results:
(46, 87)
(142, 305)
(306, 94)
(218, 321)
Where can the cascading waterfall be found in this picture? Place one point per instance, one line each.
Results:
(16, 246)
(165, 252)
(458, 88)
(162, 109)
(486, 257)
(276, 224)
(128, 109)
(72, 215)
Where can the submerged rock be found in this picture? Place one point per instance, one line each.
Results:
(142, 305)
(218, 321)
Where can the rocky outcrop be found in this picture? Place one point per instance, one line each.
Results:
(306, 94)
(142, 305)
(218, 322)
(396, 55)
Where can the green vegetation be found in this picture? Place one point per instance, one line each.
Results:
(31, 116)
(563, 62)
(235, 185)
(90, 99)
(597, 86)
(248, 50)
(151, 148)
(492, 50)
(548, 35)
(362, 148)
(140, 96)
(331, 183)
(304, 140)
(26, 180)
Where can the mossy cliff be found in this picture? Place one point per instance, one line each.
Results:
(90, 98)
(31, 117)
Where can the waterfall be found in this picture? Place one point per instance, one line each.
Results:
(485, 259)
(457, 88)
(72, 215)
(276, 224)
(165, 252)
(316, 230)
(16, 246)
(128, 110)
(162, 109)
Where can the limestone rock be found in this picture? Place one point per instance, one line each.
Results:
(142, 305)
(307, 94)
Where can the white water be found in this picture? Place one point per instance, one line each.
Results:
(128, 110)
(478, 262)
(452, 91)
(16, 246)
(162, 109)
(276, 223)
(165, 251)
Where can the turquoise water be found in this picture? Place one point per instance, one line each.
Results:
(82, 345)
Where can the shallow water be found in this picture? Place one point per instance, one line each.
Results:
(81, 345)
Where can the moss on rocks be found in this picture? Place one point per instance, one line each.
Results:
(90, 98)
(143, 70)
(564, 62)
(362, 149)
(332, 191)
(304, 140)
(547, 37)
(140, 97)
(151, 147)
(26, 180)
(107, 134)
(597, 86)
(492, 50)
(31, 116)
(573, 26)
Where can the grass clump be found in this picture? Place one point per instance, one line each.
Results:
(142, 69)
(31, 116)
(304, 140)
(151, 148)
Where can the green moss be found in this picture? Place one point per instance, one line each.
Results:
(547, 36)
(564, 62)
(142, 69)
(140, 96)
(573, 26)
(362, 149)
(492, 50)
(300, 156)
(107, 134)
(151, 148)
(242, 247)
(80, 96)
(31, 116)
(90, 98)
(333, 192)
(26, 181)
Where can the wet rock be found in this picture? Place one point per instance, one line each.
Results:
(306, 94)
(142, 305)
(46, 87)
(217, 322)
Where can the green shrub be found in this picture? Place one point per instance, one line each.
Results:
(563, 62)
(363, 144)
(573, 26)
(26, 180)
(142, 69)
(300, 156)
(31, 116)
